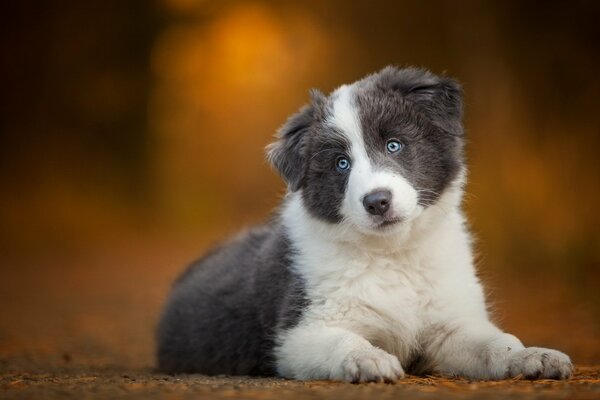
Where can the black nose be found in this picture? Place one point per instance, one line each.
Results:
(378, 202)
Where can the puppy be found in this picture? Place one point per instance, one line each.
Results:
(367, 269)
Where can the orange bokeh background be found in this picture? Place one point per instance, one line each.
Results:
(132, 138)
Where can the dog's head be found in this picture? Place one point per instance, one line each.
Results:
(374, 153)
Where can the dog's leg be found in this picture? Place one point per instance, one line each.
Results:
(479, 350)
(320, 352)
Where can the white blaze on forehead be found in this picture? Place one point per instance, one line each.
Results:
(345, 117)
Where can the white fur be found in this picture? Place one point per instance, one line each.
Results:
(377, 300)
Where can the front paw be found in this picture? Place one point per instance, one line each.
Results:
(539, 363)
(370, 365)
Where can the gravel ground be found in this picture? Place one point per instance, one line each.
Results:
(82, 383)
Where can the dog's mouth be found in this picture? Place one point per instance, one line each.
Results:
(387, 222)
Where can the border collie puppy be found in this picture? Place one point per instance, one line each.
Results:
(367, 269)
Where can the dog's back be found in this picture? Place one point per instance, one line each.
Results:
(222, 312)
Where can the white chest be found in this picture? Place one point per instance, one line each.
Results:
(381, 297)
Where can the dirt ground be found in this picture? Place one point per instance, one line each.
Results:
(143, 384)
(79, 324)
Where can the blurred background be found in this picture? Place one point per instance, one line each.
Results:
(132, 137)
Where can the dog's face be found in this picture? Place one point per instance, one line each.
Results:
(375, 153)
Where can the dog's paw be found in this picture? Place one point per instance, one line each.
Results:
(539, 363)
(370, 365)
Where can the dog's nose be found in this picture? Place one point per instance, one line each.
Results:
(378, 202)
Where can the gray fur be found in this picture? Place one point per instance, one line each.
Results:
(424, 113)
(289, 153)
(224, 312)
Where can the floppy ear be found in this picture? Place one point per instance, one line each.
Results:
(439, 98)
(288, 154)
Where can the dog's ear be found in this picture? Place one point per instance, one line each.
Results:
(288, 153)
(439, 98)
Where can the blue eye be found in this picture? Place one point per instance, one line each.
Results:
(342, 163)
(393, 146)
